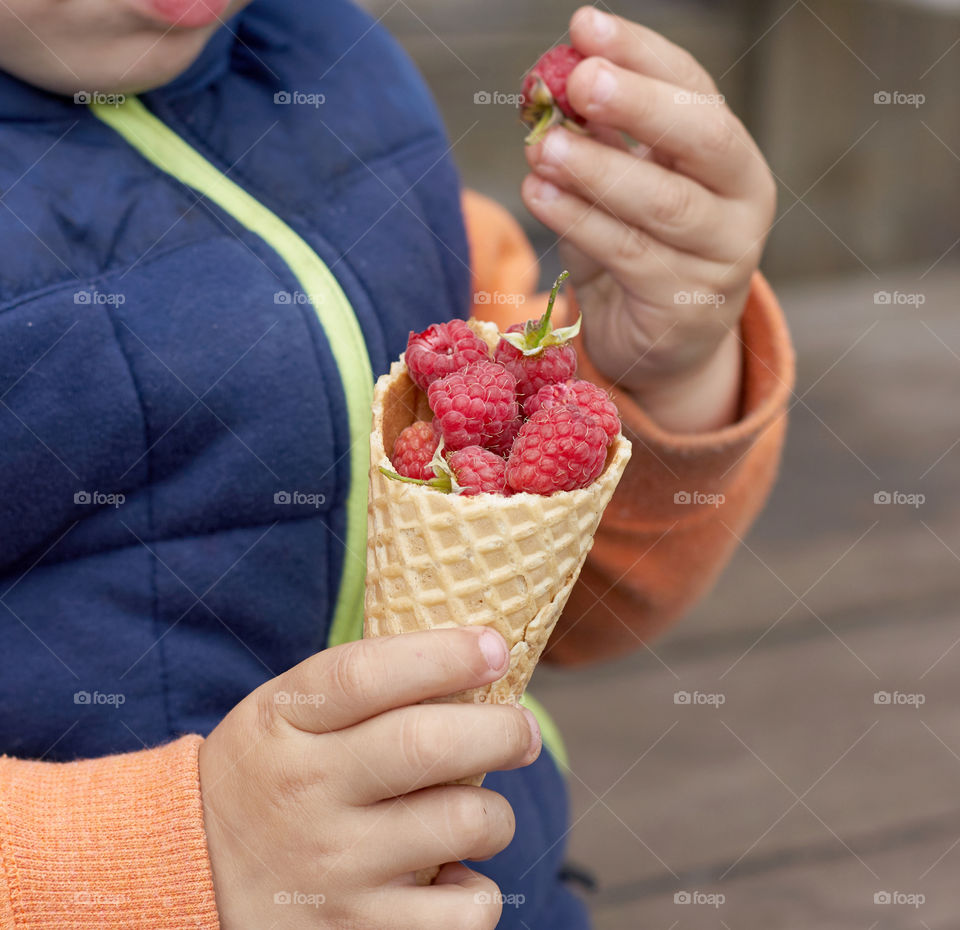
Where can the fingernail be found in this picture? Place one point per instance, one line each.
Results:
(535, 736)
(555, 147)
(604, 86)
(602, 25)
(494, 649)
(545, 192)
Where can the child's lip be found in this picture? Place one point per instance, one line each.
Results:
(189, 14)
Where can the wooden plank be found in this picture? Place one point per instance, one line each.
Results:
(685, 788)
(835, 893)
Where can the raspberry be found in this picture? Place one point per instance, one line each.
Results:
(588, 397)
(442, 349)
(558, 449)
(478, 471)
(475, 406)
(502, 443)
(535, 353)
(413, 450)
(545, 102)
(551, 366)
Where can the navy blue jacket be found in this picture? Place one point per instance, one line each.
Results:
(155, 395)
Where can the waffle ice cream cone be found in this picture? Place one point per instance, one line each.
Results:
(439, 560)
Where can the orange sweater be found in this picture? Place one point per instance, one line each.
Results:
(119, 842)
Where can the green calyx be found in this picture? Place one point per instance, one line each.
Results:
(445, 481)
(538, 335)
(541, 114)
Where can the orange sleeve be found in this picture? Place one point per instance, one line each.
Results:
(685, 500)
(107, 843)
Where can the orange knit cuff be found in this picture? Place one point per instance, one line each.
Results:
(106, 843)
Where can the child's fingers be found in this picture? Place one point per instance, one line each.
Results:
(345, 685)
(640, 192)
(637, 48)
(459, 897)
(441, 824)
(636, 258)
(431, 744)
(456, 873)
(703, 138)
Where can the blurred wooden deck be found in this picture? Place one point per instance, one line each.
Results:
(799, 798)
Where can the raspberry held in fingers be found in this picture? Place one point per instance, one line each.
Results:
(545, 102)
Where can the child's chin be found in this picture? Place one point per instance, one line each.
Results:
(163, 64)
(141, 66)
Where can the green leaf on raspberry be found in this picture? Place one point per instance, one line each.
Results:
(538, 335)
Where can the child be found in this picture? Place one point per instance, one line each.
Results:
(198, 286)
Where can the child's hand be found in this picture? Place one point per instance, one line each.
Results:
(318, 788)
(661, 239)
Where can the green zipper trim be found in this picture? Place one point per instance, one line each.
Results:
(159, 144)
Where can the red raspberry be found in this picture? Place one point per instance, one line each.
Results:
(478, 471)
(588, 397)
(545, 102)
(442, 349)
(551, 366)
(503, 443)
(537, 354)
(558, 449)
(474, 406)
(413, 450)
